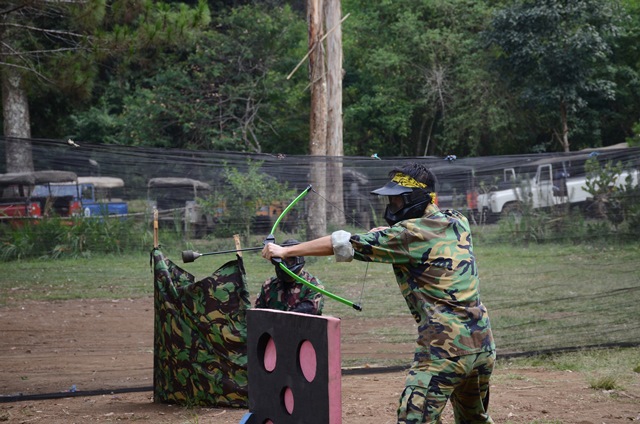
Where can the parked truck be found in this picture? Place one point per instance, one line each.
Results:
(176, 200)
(544, 183)
(86, 196)
(20, 202)
(99, 196)
(16, 205)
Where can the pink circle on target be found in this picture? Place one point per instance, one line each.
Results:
(308, 360)
(270, 356)
(288, 400)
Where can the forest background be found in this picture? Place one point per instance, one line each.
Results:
(437, 77)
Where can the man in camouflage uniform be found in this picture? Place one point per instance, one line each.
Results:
(283, 293)
(432, 257)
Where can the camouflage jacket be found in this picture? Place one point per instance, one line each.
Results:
(436, 271)
(282, 296)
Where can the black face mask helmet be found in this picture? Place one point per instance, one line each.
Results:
(414, 201)
(294, 264)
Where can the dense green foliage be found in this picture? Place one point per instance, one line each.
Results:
(554, 54)
(612, 219)
(615, 195)
(242, 196)
(420, 77)
(71, 238)
(65, 51)
(222, 93)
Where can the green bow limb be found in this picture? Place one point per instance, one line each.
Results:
(301, 280)
(288, 208)
(278, 261)
(271, 238)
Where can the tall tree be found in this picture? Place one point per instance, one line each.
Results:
(55, 45)
(226, 91)
(621, 119)
(335, 150)
(38, 38)
(414, 79)
(317, 215)
(555, 53)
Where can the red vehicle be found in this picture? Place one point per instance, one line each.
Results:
(17, 201)
(16, 205)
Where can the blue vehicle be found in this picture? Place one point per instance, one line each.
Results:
(88, 196)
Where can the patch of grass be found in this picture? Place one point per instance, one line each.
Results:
(621, 359)
(605, 382)
(394, 334)
(509, 376)
(102, 276)
(604, 369)
(545, 297)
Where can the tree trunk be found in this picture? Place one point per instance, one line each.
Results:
(335, 212)
(317, 208)
(564, 140)
(15, 106)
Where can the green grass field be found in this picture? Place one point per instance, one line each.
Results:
(582, 295)
(540, 298)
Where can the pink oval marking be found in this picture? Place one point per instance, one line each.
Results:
(288, 400)
(308, 360)
(270, 355)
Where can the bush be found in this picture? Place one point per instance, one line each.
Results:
(75, 237)
(243, 195)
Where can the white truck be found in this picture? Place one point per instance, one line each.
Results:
(541, 184)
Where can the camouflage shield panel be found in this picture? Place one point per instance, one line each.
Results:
(200, 332)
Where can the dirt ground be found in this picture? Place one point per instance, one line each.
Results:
(106, 347)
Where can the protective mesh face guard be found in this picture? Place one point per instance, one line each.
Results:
(294, 265)
(414, 204)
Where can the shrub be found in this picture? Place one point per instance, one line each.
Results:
(75, 237)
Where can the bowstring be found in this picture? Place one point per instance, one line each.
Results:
(352, 219)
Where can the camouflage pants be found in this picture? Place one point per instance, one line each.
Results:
(463, 379)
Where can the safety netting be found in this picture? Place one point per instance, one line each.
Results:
(172, 180)
(541, 305)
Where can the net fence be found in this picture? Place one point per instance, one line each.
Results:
(170, 178)
(553, 299)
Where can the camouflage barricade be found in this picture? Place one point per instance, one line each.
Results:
(200, 351)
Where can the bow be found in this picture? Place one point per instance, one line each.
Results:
(278, 261)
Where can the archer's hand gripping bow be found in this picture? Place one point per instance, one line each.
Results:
(278, 261)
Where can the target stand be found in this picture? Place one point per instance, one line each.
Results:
(294, 368)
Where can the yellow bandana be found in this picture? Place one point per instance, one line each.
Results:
(407, 181)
